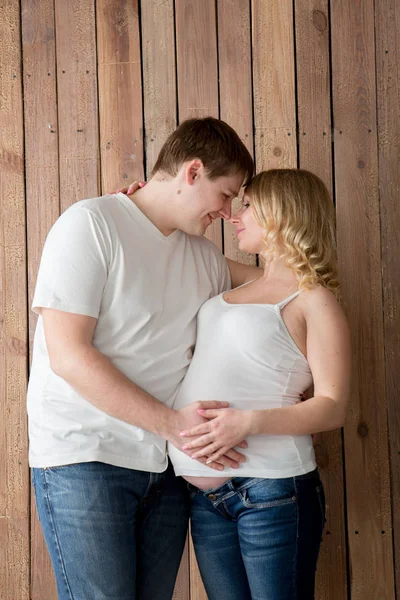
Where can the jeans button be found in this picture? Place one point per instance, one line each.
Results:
(211, 496)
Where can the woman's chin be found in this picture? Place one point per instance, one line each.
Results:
(246, 248)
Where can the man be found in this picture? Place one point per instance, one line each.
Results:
(118, 289)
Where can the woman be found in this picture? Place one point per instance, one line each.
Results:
(260, 346)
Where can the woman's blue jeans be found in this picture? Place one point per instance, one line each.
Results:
(258, 539)
(112, 533)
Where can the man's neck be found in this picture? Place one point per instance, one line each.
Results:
(155, 200)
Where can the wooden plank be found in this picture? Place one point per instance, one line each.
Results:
(274, 84)
(313, 88)
(387, 18)
(235, 92)
(14, 572)
(120, 93)
(77, 101)
(197, 65)
(314, 122)
(14, 474)
(160, 110)
(196, 59)
(159, 76)
(356, 180)
(182, 591)
(42, 192)
(197, 591)
(41, 131)
(197, 72)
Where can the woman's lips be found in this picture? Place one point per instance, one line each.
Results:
(239, 231)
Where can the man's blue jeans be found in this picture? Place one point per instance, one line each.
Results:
(112, 533)
(258, 539)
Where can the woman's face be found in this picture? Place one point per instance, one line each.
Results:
(249, 232)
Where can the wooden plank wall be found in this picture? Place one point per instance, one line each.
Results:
(14, 473)
(88, 93)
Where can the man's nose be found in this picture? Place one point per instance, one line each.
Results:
(226, 210)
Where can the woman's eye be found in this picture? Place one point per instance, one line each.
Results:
(246, 204)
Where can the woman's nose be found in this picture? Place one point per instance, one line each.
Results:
(234, 218)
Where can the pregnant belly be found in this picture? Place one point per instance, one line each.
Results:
(206, 483)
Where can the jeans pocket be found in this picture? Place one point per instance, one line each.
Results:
(269, 493)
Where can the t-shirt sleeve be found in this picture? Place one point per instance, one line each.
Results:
(74, 265)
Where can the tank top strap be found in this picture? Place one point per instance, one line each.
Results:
(283, 303)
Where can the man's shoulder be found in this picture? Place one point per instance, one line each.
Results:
(102, 209)
(97, 205)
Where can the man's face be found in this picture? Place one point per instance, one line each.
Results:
(203, 199)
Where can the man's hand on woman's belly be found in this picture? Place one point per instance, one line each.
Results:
(189, 418)
(221, 429)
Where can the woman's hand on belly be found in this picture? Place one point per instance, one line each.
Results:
(189, 417)
(221, 430)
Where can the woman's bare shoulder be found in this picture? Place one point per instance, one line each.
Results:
(322, 300)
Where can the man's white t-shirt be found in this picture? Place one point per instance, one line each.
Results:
(104, 258)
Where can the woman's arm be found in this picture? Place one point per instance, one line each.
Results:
(329, 357)
(241, 273)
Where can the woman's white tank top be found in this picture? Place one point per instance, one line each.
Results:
(244, 354)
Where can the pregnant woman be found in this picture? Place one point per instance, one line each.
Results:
(257, 529)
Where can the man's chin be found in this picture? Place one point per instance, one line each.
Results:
(197, 229)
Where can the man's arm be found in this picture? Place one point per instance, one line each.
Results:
(241, 273)
(74, 359)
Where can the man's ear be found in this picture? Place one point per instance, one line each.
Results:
(194, 170)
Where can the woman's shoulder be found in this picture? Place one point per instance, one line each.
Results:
(320, 299)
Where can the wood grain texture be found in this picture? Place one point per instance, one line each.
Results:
(197, 591)
(357, 202)
(41, 132)
(387, 18)
(235, 91)
(42, 194)
(274, 84)
(77, 101)
(314, 136)
(197, 83)
(159, 76)
(213, 39)
(14, 558)
(14, 474)
(160, 111)
(182, 587)
(313, 88)
(197, 66)
(120, 93)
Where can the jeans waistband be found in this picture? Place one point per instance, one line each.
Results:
(242, 483)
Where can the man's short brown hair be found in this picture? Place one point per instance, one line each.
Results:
(212, 141)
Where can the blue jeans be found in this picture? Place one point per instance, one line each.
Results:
(258, 539)
(112, 533)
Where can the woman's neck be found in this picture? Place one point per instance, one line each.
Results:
(276, 270)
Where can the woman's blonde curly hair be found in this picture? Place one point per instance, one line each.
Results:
(294, 208)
